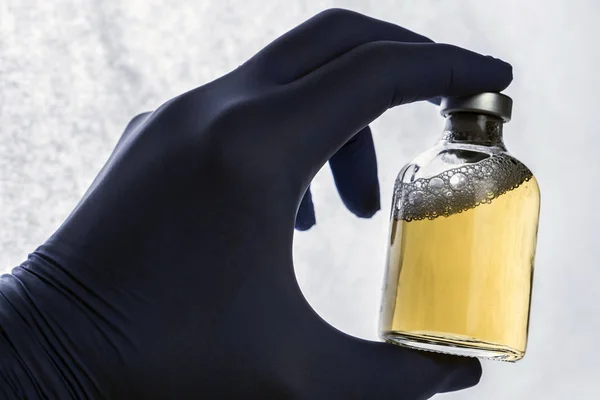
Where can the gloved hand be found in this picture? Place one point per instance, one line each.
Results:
(173, 277)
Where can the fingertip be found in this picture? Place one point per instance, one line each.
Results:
(305, 218)
(498, 74)
(475, 73)
(504, 73)
(354, 169)
(401, 372)
(467, 372)
(367, 207)
(303, 226)
(457, 72)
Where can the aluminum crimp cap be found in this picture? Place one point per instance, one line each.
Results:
(491, 103)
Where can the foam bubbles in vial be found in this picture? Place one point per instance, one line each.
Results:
(460, 189)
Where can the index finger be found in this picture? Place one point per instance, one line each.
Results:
(321, 39)
(327, 107)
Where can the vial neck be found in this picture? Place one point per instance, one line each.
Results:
(473, 128)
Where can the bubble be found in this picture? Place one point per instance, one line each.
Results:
(436, 185)
(448, 194)
(458, 181)
(415, 197)
(489, 195)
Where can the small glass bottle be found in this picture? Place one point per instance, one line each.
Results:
(463, 235)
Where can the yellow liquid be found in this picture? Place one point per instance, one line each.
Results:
(462, 284)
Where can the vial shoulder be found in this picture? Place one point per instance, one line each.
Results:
(440, 159)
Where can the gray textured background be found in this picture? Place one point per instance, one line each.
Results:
(72, 73)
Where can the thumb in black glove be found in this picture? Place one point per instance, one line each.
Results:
(173, 277)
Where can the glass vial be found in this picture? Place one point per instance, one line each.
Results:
(462, 240)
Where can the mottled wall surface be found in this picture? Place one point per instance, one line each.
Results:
(73, 73)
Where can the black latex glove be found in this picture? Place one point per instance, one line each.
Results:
(173, 277)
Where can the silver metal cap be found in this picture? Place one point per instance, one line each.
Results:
(490, 103)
